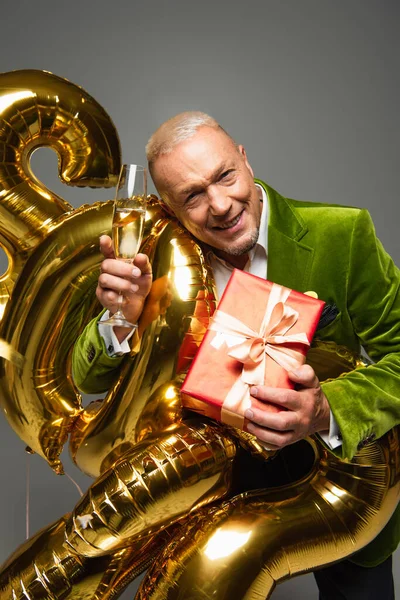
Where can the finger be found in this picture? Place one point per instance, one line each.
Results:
(304, 376)
(106, 246)
(119, 268)
(272, 439)
(278, 421)
(107, 298)
(142, 262)
(117, 284)
(282, 397)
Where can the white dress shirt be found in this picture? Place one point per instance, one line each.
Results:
(113, 346)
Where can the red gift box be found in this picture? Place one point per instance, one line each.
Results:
(260, 331)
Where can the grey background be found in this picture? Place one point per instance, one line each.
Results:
(311, 88)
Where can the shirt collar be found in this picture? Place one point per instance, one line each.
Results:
(263, 232)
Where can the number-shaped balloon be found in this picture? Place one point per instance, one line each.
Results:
(43, 294)
(157, 466)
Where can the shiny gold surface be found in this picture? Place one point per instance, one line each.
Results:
(145, 400)
(330, 361)
(47, 289)
(55, 573)
(152, 487)
(240, 547)
(158, 466)
(244, 547)
(8, 352)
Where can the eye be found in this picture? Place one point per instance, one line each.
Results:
(191, 197)
(226, 174)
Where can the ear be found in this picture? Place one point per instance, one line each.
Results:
(242, 151)
(161, 201)
(165, 207)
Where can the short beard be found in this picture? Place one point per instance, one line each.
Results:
(246, 246)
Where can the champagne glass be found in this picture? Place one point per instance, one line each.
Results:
(127, 228)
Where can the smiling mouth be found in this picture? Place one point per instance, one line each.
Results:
(230, 223)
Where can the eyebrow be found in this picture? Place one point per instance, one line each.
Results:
(214, 177)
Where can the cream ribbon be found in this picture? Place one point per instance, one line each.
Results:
(250, 348)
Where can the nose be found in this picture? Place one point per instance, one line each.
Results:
(219, 201)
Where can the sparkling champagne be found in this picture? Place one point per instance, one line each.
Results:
(127, 231)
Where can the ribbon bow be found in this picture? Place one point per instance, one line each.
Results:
(250, 347)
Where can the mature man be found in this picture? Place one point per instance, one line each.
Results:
(206, 181)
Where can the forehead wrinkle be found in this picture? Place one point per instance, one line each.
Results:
(195, 163)
(204, 181)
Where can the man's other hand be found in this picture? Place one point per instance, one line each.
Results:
(133, 281)
(295, 413)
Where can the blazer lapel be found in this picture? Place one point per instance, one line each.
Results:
(289, 260)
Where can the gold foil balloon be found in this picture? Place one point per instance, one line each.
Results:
(244, 547)
(44, 292)
(167, 479)
(56, 573)
(144, 402)
(238, 549)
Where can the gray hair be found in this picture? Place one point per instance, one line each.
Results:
(177, 129)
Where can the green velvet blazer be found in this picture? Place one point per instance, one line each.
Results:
(332, 250)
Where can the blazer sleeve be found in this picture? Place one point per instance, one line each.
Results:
(366, 402)
(93, 370)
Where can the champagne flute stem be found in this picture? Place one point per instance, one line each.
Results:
(120, 303)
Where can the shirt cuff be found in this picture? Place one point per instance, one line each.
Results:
(113, 346)
(332, 438)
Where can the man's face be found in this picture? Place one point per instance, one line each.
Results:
(208, 184)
